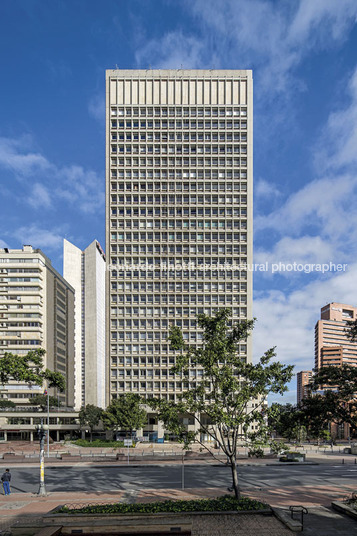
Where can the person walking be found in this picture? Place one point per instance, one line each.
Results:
(5, 479)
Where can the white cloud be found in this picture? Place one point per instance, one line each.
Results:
(264, 189)
(337, 17)
(39, 237)
(173, 51)
(337, 147)
(96, 107)
(328, 203)
(40, 197)
(307, 249)
(3, 244)
(19, 162)
(73, 184)
(272, 36)
(322, 203)
(287, 321)
(81, 187)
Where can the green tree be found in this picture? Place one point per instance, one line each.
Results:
(41, 400)
(286, 420)
(29, 368)
(125, 413)
(333, 400)
(351, 330)
(318, 412)
(339, 379)
(232, 393)
(90, 416)
(4, 403)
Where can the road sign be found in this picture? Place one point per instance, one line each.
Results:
(128, 442)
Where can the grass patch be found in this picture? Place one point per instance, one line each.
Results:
(221, 504)
(98, 443)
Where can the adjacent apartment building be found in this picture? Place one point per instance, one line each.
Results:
(303, 378)
(36, 311)
(332, 346)
(85, 271)
(178, 216)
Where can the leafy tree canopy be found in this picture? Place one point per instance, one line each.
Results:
(334, 398)
(231, 396)
(4, 403)
(125, 413)
(286, 421)
(90, 417)
(41, 400)
(29, 368)
(339, 379)
(351, 331)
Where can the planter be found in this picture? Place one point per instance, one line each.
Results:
(293, 457)
(344, 509)
(101, 524)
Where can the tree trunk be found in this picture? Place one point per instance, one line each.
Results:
(235, 478)
(91, 435)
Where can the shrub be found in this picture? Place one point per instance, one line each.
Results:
(221, 504)
(258, 452)
(4, 403)
(99, 443)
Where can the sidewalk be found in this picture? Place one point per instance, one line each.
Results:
(25, 452)
(321, 521)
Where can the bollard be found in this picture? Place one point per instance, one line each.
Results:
(343, 461)
(355, 461)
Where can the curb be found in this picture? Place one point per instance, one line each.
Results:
(344, 509)
(284, 517)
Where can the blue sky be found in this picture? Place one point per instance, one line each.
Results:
(304, 59)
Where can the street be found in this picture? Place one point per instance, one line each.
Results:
(119, 477)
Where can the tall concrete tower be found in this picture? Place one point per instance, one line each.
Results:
(179, 185)
(85, 271)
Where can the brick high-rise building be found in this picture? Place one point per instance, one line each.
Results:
(303, 378)
(178, 216)
(332, 346)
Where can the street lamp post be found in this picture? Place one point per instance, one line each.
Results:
(42, 430)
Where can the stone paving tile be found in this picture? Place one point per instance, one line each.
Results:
(305, 496)
(192, 493)
(238, 525)
(323, 521)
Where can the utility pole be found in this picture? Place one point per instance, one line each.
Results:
(48, 422)
(42, 429)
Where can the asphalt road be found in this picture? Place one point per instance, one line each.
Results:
(109, 478)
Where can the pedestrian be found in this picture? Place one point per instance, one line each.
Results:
(5, 479)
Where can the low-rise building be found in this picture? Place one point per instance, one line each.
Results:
(20, 424)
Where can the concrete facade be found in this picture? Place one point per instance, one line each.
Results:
(20, 424)
(85, 270)
(178, 216)
(36, 311)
